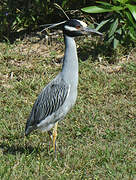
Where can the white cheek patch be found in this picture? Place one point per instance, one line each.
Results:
(69, 28)
(82, 23)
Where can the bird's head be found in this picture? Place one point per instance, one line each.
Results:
(74, 27)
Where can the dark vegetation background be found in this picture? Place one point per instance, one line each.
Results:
(117, 21)
(18, 17)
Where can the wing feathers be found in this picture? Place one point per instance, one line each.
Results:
(48, 102)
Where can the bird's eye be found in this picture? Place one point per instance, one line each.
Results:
(78, 27)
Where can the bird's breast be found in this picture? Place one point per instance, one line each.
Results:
(72, 96)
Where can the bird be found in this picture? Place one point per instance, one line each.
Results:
(59, 95)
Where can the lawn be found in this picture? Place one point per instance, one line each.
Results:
(97, 139)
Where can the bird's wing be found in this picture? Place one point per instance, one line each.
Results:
(51, 98)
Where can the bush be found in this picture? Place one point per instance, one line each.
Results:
(21, 15)
(120, 23)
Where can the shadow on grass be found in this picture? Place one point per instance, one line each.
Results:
(13, 145)
(95, 50)
(14, 149)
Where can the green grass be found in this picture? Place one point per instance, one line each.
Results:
(97, 139)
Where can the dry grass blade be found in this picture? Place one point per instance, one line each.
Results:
(59, 7)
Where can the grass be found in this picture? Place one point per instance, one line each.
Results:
(97, 138)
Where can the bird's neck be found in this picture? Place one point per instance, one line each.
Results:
(70, 61)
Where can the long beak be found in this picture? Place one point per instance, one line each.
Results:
(88, 30)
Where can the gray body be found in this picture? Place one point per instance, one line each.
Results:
(57, 98)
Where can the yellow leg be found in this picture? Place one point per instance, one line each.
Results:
(54, 136)
(50, 139)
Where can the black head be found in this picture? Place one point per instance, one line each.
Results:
(74, 27)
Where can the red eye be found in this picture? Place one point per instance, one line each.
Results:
(78, 27)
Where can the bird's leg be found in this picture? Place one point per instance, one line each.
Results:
(50, 139)
(54, 136)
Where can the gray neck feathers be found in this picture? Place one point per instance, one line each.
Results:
(70, 61)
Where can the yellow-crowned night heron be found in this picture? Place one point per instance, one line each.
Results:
(57, 98)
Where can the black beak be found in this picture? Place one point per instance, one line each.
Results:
(87, 30)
